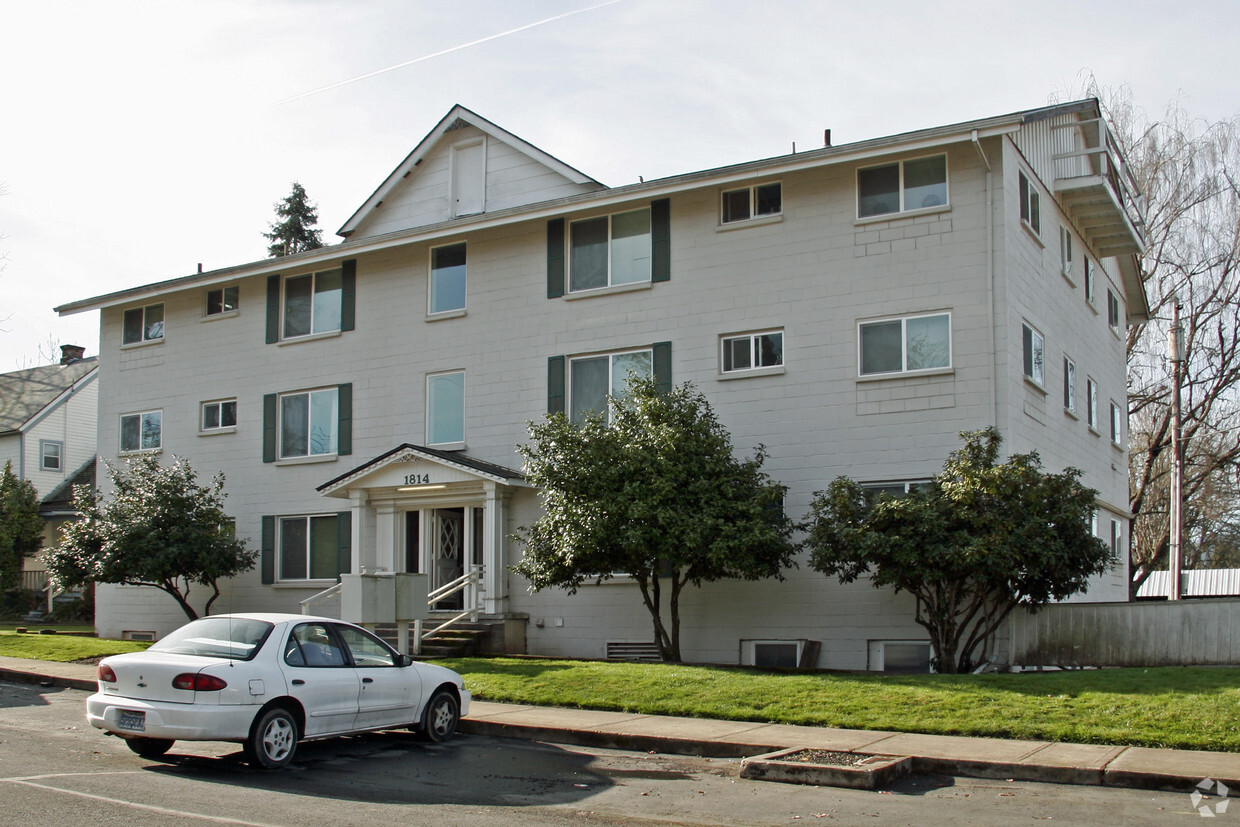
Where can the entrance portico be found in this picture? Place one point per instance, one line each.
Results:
(440, 513)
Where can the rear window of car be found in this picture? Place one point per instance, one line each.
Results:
(217, 637)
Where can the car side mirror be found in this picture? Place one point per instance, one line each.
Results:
(404, 660)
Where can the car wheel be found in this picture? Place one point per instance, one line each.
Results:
(149, 747)
(441, 716)
(273, 739)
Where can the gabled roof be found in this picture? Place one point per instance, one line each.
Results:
(59, 503)
(456, 117)
(24, 394)
(407, 452)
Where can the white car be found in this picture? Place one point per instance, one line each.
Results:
(268, 681)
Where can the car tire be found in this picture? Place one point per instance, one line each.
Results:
(149, 747)
(441, 716)
(273, 739)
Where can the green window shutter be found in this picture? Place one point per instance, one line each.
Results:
(555, 258)
(555, 385)
(344, 430)
(273, 309)
(344, 542)
(269, 427)
(348, 293)
(661, 240)
(662, 353)
(267, 565)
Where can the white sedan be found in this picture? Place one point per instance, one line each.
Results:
(268, 681)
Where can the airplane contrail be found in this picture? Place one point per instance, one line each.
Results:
(442, 52)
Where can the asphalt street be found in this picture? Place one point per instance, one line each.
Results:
(54, 769)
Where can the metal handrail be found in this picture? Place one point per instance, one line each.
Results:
(469, 579)
(330, 591)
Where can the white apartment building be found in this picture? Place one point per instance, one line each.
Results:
(852, 308)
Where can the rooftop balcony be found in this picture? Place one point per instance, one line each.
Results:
(1099, 191)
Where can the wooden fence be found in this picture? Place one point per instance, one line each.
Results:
(1158, 633)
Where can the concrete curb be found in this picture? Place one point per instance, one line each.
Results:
(21, 676)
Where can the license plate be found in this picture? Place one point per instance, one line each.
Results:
(135, 721)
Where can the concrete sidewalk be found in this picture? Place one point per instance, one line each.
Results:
(1090, 764)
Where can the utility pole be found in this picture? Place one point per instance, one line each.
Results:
(1175, 552)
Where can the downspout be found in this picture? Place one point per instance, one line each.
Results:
(990, 282)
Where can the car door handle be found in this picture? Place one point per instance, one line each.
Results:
(298, 682)
(368, 680)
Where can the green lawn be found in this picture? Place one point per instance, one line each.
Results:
(60, 647)
(1184, 708)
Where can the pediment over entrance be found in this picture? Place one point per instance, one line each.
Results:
(418, 468)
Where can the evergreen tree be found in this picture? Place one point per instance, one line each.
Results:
(21, 527)
(293, 231)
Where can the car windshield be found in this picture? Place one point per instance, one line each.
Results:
(234, 638)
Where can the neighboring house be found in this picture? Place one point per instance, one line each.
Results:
(852, 308)
(48, 431)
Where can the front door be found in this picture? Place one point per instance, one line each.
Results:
(446, 549)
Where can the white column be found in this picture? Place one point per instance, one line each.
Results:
(362, 554)
(495, 595)
(385, 537)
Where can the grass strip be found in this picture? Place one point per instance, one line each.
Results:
(1181, 708)
(62, 648)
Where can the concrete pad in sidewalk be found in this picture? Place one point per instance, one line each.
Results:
(1163, 769)
(545, 716)
(836, 740)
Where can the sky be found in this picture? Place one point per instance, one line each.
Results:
(139, 140)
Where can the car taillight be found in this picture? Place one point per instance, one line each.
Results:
(198, 682)
(105, 673)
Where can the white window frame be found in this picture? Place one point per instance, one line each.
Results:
(314, 280)
(45, 454)
(754, 353)
(1033, 354)
(904, 209)
(753, 201)
(1030, 204)
(1065, 251)
(904, 369)
(1091, 403)
(1113, 312)
(156, 416)
(1117, 425)
(610, 218)
(431, 284)
(279, 549)
(151, 331)
(1117, 537)
(611, 368)
(431, 435)
(1091, 272)
(219, 406)
(335, 423)
(226, 309)
(1069, 385)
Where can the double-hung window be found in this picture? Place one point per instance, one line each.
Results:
(915, 184)
(445, 408)
(1117, 537)
(1091, 403)
(51, 455)
(1030, 205)
(907, 344)
(1032, 347)
(447, 281)
(143, 324)
(1089, 280)
(751, 202)
(312, 303)
(223, 300)
(752, 351)
(142, 431)
(1065, 251)
(591, 379)
(219, 414)
(1069, 385)
(1117, 425)
(308, 423)
(309, 548)
(609, 250)
(1113, 311)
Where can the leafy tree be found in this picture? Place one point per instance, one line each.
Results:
(21, 527)
(655, 493)
(979, 540)
(157, 528)
(293, 231)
